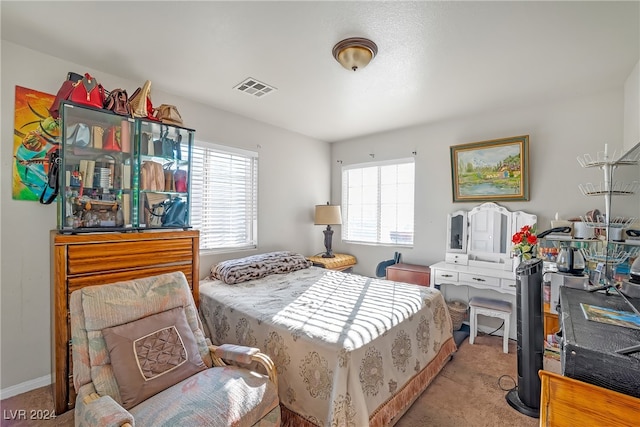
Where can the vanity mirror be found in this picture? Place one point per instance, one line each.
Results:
(484, 235)
(457, 232)
(489, 226)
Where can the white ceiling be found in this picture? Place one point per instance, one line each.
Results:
(436, 60)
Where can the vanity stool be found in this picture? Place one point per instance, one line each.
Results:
(493, 308)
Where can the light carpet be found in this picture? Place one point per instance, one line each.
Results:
(470, 391)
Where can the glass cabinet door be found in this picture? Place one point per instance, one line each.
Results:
(163, 154)
(96, 180)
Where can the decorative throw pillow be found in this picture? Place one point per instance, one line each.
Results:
(151, 354)
(257, 266)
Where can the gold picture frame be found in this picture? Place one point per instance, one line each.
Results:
(492, 170)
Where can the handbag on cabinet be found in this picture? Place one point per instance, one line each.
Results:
(88, 91)
(125, 136)
(97, 136)
(140, 102)
(64, 93)
(78, 135)
(50, 191)
(169, 182)
(180, 181)
(153, 208)
(151, 176)
(164, 146)
(146, 144)
(174, 213)
(118, 102)
(112, 139)
(168, 114)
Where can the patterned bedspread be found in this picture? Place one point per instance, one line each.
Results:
(343, 344)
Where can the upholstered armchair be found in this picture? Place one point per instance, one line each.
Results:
(140, 358)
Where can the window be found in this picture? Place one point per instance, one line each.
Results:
(378, 202)
(224, 197)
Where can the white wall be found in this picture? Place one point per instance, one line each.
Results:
(558, 133)
(632, 108)
(293, 178)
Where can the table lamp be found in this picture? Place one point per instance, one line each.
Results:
(328, 215)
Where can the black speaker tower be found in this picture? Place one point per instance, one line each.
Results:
(525, 398)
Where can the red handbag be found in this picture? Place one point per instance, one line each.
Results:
(180, 180)
(88, 92)
(112, 139)
(64, 93)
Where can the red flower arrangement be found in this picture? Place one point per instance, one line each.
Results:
(524, 242)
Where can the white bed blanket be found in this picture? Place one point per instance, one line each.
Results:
(343, 344)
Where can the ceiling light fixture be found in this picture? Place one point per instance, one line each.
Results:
(355, 53)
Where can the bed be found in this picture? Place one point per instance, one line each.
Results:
(349, 350)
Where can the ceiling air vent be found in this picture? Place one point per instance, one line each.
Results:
(253, 87)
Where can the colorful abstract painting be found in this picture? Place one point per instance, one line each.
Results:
(35, 134)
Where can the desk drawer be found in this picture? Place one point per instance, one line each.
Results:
(446, 277)
(508, 284)
(476, 279)
(460, 259)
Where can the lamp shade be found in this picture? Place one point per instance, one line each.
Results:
(328, 215)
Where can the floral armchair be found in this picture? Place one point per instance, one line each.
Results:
(140, 358)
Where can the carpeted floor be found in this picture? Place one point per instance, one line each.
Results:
(470, 391)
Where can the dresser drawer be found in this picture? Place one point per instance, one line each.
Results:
(460, 259)
(508, 284)
(446, 277)
(409, 273)
(479, 280)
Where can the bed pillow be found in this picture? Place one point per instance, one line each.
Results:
(151, 354)
(257, 266)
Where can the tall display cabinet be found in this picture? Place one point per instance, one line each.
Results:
(118, 173)
(116, 177)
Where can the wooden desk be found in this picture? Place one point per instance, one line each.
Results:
(340, 262)
(409, 273)
(568, 402)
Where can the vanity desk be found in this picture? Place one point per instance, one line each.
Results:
(444, 273)
(478, 260)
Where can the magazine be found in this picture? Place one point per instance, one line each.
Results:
(627, 319)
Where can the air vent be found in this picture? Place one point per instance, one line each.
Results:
(253, 87)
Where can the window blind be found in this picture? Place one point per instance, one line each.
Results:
(378, 202)
(224, 197)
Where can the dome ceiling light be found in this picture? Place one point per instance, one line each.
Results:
(355, 53)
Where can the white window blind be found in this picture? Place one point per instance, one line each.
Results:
(224, 197)
(378, 202)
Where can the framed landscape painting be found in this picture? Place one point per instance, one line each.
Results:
(491, 170)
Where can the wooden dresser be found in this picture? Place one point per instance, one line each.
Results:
(409, 273)
(98, 258)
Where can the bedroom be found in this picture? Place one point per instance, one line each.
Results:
(560, 129)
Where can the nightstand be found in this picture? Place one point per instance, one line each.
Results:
(340, 262)
(409, 273)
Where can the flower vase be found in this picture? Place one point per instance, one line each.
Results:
(516, 262)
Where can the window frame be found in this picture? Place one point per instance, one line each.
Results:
(379, 226)
(251, 243)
